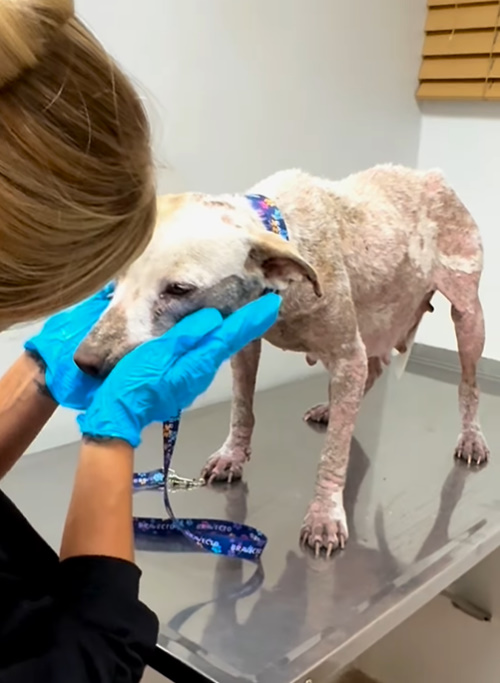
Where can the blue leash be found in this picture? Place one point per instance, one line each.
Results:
(213, 535)
(217, 536)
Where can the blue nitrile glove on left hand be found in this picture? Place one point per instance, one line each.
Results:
(156, 381)
(56, 345)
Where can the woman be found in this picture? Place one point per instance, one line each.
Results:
(77, 205)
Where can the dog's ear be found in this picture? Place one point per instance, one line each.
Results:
(279, 262)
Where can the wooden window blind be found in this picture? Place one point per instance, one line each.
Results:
(461, 53)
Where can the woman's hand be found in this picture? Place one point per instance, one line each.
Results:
(56, 344)
(156, 381)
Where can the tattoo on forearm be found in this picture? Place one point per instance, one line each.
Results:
(40, 382)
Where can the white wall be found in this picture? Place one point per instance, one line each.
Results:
(464, 140)
(237, 90)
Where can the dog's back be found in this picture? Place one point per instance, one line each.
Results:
(395, 230)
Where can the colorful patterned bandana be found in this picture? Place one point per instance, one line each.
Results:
(269, 214)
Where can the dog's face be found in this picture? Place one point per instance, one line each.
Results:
(205, 253)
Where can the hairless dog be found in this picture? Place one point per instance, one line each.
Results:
(364, 258)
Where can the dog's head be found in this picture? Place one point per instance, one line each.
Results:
(205, 253)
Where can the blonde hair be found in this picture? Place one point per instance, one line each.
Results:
(77, 193)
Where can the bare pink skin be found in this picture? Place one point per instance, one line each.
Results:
(366, 255)
(467, 316)
(369, 309)
(227, 463)
(321, 413)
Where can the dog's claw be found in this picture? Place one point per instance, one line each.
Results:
(324, 527)
(226, 465)
(318, 415)
(472, 448)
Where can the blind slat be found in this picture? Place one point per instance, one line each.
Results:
(451, 91)
(461, 18)
(459, 91)
(454, 69)
(442, 3)
(469, 43)
(493, 91)
(460, 69)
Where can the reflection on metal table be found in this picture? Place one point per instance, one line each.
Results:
(418, 521)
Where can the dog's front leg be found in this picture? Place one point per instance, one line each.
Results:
(227, 463)
(325, 524)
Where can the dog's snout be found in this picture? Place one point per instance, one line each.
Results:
(90, 364)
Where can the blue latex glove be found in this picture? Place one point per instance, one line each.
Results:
(56, 345)
(156, 381)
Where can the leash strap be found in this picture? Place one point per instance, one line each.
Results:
(217, 536)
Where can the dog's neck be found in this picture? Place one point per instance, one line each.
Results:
(269, 214)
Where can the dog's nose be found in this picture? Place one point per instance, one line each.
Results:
(90, 364)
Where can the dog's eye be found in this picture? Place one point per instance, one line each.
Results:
(177, 289)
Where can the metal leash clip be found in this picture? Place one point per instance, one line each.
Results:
(178, 482)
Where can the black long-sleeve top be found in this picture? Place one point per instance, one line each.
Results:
(78, 620)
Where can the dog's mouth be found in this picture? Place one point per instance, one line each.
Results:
(109, 340)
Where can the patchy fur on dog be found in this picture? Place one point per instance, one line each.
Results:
(365, 257)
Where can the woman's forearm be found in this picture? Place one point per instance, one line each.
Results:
(99, 520)
(24, 409)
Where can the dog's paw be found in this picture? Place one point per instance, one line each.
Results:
(472, 448)
(325, 526)
(226, 464)
(318, 414)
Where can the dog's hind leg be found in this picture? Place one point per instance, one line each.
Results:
(459, 267)
(227, 463)
(461, 289)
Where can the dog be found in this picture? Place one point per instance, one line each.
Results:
(364, 258)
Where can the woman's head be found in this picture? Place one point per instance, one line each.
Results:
(77, 194)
